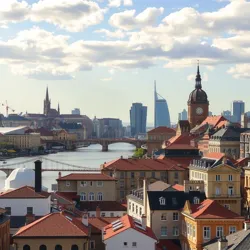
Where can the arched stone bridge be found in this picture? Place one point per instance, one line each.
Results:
(103, 142)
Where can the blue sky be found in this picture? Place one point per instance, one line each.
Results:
(100, 56)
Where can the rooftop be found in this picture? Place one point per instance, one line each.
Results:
(86, 177)
(162, 130)
(54, 225)
(124, 223)
(103, 205)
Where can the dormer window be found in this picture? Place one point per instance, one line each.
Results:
(196, 200)
(162, 201)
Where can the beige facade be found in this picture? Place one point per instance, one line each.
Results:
(24, 141)
(63, 135)
(246, 201)
(90, 190)
(51, 243)
(221, 183)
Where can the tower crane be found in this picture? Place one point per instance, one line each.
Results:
(7, 107)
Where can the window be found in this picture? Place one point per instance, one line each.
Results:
(74, 247)
(217, 177)
(67, 183)
(140, 211)
(134, 244)
(230, 191)
(227, 206)
(83, 197)
(136, 209)
(103, 214)
(153, 174)
(162, 201)
(219, 231)
(164, 216)
(142, 174)
(132, 183)
(133, 207)
(176, 175)
(91, 183)
(164, 231)
(42, 247)
(230, 177)
(91, 196)
(206, 233)
(26, 247)
(121, 175)
(175, 216)
(129, 205)
(175, 231)
(99, 183)
(29, 210)
(58, 247)
(83, 183)
(125, 244)
(174, 201)
(112, 215)
(232, 229)
(92, 244)
(122, 183)
(8, 210)
(217, 191)
(99, 196)
(163, 175)
(196, 200)
(132, 175)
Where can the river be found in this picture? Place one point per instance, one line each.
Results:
(91, 156)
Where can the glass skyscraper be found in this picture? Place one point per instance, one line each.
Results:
(238, 110)
(138, 119)
(162, 117)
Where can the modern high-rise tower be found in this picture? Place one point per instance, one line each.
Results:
(238, 110)
(162, 117)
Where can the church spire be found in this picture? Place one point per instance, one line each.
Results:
(198, 78)
(58, 109)
(47, 94)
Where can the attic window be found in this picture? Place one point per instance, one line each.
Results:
(162, 201)
(196, 200)
(174, 201)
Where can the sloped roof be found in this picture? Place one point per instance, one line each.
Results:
(103, 205)
(214, 120)
(54, 225)
(98, 223)
(127, 222)
(178, 187)
(24, 192)
(86, 177)
(162, 130)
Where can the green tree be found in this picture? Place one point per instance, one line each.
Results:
(139, 152)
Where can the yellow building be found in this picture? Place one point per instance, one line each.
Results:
(246, 201)
(221, 180)
(206, 221)
(63, 135)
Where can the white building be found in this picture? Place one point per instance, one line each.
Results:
(130, 234)
(76, 111)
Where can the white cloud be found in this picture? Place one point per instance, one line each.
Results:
(128, 2)
(210, 68)
(127, 20)
(118, 3)
(240, 71)
(73, 15)
(111, 34)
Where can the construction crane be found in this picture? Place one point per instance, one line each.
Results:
(7, 107)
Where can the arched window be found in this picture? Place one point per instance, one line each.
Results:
(26, 247)
(83, 197)
(58, 247)
(99, 196)
(91, 196)
(42, 247)
(74, 247)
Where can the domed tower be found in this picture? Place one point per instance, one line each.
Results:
(197, 103)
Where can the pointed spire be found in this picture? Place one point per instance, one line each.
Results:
(198, 78)
(58, 109)
(47, 94)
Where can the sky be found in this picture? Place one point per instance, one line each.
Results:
(101, 56)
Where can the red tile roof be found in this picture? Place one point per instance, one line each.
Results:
(54, 225)
(142, 164)
(178, 187)
(168, 244)
(162, 130)
(211, 209)
(127, 222)
(180, 146)
(103, 205)
(86, 177)
(68, 196)
(183, 161)
(183, 139)
(24, 192)
(214, 155)
(242, 161)
(214, 120)
(97, 224)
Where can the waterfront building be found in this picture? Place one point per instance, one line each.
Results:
(156, 137)
(183, 116)
(162, 117)
(110, 128)
(57, 230)
(238, 110)
(4, 230)
(207, 221)
(76, 111)
(15, 120)
(197, 103)
(130, 234)
(138, 119)
(222, 179)
(131, 172)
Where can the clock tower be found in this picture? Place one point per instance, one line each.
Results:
(197, 103)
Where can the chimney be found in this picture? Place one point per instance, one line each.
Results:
(247, 225)
(98, 212)
(59, 175)
(30, 218)
(85, 219)
(38, 176)
(144, 221)
(223, 243)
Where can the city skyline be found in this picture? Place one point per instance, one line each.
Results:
(89, 63)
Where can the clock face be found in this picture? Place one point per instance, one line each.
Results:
(199, 111)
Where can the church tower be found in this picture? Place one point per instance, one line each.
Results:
(46, 103)
(197, 103)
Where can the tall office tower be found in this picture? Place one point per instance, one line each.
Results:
(183, 115)
(238, 110)
(162, 117)
(138, 119)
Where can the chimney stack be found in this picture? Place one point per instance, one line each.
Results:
(145, 195)
(98, 212)
(59, 175)
(247, 225)
(223, 243)
(85, 218)
(38, 176)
